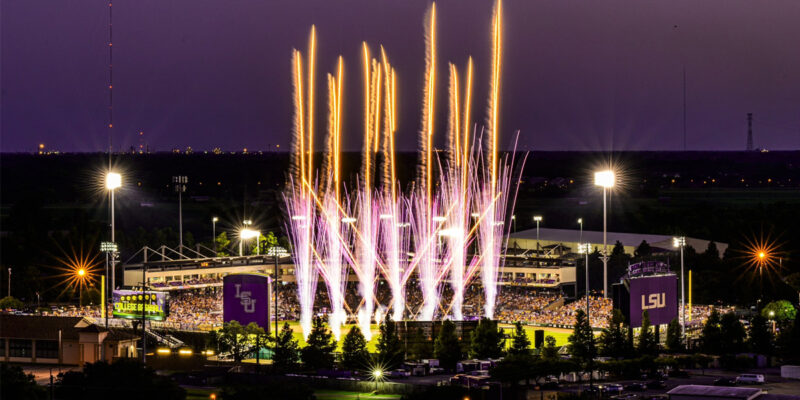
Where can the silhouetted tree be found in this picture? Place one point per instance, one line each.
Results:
(487, 340)
(354, 349)
(447, 347)
(760, 338)
(389, 347)
(320, 345)
(674, 341)
(520, 344)
(285, 354)
(612, 339)
(647, 339)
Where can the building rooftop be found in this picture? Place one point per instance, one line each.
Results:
(41, 327)
(702, 391)
(596, 237)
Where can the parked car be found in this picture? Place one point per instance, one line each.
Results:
(750, 379)
(656, 384)
(724, 382)
(636, 386)
(653, 397)
(549, 385)
(626, 396)
(612, 388)
(400, 374)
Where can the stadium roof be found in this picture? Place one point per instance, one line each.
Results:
(596, 237)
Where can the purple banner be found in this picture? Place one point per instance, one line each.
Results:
(245, 299)
(647, 267)
(656, 294)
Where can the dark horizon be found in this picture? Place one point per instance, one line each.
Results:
(204, 74)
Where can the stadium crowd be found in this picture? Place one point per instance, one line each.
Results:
(201, 309)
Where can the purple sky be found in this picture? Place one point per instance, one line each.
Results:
(577, 75)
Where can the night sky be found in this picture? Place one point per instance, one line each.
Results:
(577, 75)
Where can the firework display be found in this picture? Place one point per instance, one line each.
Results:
(446, 228)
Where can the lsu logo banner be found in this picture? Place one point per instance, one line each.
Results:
(658, 295)
(245, 299)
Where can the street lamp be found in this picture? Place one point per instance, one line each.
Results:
(680, 242)
(113, 182)
(537, 218)
(606, 180)
(378, 375)
(214, 233)
(180, 187)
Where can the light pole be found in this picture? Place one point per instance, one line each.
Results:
(113, 182)
(585, 248)
(108, 248)
(680, 242)
(580, 238)
(180, 187)
(214, 234)
(537, 218)
(9, 282)
(772, 318)
(606, 180)
(514, 220)
(377, 374)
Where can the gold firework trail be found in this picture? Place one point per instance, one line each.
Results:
(426, 133)
(389, 127)
(299, 133)
(466, 127)
(376, 104)
(338, 142)
(494, 95)
(453, 130)
(327, 165)
(367, 119)
(312, 49)
(332, 164)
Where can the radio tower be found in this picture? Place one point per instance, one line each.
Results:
(749, 131)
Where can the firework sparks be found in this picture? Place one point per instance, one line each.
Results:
(373, 229)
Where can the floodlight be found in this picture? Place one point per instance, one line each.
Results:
(604, 178)
(248, 233)
(113, 180)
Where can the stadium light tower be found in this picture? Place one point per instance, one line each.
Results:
(680, 242)
(180, 187)
(580, 223)
(605, 179)
(113, 182)
(214, 233)
(538, 219)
